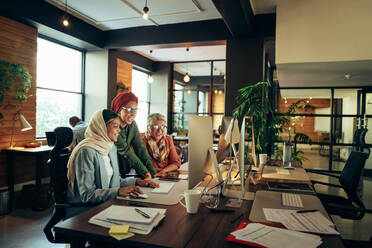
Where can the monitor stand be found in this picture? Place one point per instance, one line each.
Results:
(289, 166)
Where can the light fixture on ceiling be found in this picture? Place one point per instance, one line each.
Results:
(215, 91)
(187, 78)
(150, 79)
(347, 75)
(65, 18)
(146, 9)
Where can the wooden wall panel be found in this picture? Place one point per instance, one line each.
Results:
(18, 44)
(124, 75)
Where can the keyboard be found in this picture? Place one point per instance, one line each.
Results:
(292, 200)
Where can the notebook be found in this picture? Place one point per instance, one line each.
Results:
(116, 213)
(164, 188)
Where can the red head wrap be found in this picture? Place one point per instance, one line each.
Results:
(121, 100)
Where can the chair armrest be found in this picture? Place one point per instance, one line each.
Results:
(323, 183)
(344, 207)
(321, 173)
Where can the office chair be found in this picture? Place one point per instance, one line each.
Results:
(57, 164)
(351, 207)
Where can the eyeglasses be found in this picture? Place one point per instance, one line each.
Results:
(159, 126)
(131, 110)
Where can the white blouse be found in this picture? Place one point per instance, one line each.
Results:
(108, 167)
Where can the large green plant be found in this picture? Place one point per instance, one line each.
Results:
(16, 80)
(254, 101)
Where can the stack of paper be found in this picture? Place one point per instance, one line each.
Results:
(313, 222)
(124, 215)
(275, 237)
(164, 188)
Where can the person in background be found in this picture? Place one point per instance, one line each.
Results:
(125, 105)
(160, 146)
(93, 171)
(78, 127)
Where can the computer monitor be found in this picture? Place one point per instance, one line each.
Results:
(229, 134)
(200, 141)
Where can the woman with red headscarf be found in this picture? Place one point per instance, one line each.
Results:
(125, 105)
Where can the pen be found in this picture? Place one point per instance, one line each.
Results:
(142, 213)
(306, 211)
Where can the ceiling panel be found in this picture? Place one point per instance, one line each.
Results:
(117, 14)
(180, 53)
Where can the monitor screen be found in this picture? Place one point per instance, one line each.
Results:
(200, 141)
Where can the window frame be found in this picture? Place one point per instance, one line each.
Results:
(82, 88)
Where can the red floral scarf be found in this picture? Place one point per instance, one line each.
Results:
(158, 150)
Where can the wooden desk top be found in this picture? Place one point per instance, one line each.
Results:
(177, 229)
(26, 149)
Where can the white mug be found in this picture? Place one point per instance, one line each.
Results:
(264, 158)
(192, 200)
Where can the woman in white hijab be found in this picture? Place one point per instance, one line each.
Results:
(93, 171)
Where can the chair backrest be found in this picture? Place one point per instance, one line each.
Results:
(351, 174)
(57, 163)
(356, 139)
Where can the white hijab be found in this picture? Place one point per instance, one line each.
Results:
(96, 138)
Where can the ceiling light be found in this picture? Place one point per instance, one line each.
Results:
(189, 91)
(150, 79)
(220, 92)
(146, 9)
(186, 78)
(65, 18)
(215, 91)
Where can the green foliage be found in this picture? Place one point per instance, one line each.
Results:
(14, 78)
(254, 102)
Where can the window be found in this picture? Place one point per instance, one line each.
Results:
(203, 95)
(141, 89)
(59, 85)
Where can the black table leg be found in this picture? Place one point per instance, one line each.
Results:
(10, 179)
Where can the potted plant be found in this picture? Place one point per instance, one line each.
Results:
(14, 78)
(254, 101)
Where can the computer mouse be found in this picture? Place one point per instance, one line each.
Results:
(143, 196)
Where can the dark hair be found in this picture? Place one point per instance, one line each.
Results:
(108, 115)
(74, 120)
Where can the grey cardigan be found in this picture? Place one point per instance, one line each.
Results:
(91, 182)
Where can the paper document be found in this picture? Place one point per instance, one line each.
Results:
(111, 216)
(164, 188)
(183, 176)
(282, 171)
(184, 167)
(276, 237)
(314, 222)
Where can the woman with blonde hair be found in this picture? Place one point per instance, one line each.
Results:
(160, 146)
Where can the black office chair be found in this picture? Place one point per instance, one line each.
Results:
(57, 164)
(349, 181)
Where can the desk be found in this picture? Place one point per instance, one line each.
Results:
(178, 229)
(11, 152)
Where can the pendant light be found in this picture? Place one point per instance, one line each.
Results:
(187, 78)
(145, 14)
(65, 18)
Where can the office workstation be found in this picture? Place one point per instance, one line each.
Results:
(310, 100)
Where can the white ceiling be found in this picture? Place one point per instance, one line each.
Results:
(263, 6)
(195, 53)
(117, 14)
(201, 68)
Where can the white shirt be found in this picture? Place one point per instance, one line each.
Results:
(108, 167)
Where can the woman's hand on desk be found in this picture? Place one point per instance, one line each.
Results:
(131, 191)
(148, 176)
(147, 183)
(160, 174)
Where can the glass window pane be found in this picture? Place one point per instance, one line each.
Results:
(317, 101)
(178, 101)
(140, 86)
(343, 129)
(346, 101)
(52, 110)
(340, 155)
(369, 103)
(368, 140)
(181, 123)
(190, 101)
(58, 67)
(141, 118)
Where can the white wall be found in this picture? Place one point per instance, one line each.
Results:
(323, 30)
(96, 82)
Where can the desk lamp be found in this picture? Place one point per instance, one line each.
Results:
(24, 125)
